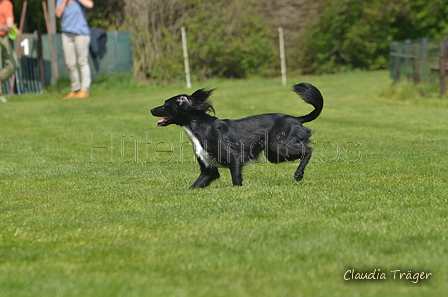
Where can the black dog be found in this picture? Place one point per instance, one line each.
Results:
(232, 143)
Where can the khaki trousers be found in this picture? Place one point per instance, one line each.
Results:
(76, 53)
(8, 58)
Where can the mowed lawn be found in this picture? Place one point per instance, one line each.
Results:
(94, 197)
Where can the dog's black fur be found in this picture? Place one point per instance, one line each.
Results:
(232, 143)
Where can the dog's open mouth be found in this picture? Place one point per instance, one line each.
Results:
(163, 122)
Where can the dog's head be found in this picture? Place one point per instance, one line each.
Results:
(178, 109)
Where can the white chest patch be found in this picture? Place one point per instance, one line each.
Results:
(199, 151)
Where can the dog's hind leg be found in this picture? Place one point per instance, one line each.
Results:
(208, 174)
(307, 153)
(236, 168)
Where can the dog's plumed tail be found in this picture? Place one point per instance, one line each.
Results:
(311, 95)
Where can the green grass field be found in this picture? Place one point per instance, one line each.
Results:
(95, 200)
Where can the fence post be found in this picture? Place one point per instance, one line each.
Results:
(282, 55)
(442, 67)
(416, 64)
(407, 58)
(54, 58)
(424, 52)
(186, 62)
(395, 62)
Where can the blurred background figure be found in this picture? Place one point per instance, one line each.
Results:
(75, 43)
(6, 52)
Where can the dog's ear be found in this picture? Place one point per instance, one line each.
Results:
(202, 94)
(196, 102)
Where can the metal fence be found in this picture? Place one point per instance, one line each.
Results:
(420, 60)
(27, 77)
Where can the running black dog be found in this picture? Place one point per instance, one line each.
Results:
(232, 143)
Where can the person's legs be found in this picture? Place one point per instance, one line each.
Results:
(82, 43)
(82, 49)
(69, 47)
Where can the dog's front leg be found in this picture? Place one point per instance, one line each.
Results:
(208, 174)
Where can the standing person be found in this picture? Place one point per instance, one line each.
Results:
(7, 54)
(75, 43)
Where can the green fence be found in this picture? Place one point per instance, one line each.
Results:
(420, 60)
(117, 57)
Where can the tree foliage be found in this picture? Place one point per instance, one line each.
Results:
(224, 37)
(228, 40)
(108, 15)
(355, 34)
(421, 18)
(237, 38)
(349, 34)
(155, 27)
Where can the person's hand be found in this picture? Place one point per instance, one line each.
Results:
(5, 28)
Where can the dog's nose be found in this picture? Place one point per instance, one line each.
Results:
(155, 112)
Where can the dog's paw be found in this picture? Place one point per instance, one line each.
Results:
(298, 176)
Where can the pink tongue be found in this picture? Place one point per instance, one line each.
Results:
(160, 121)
